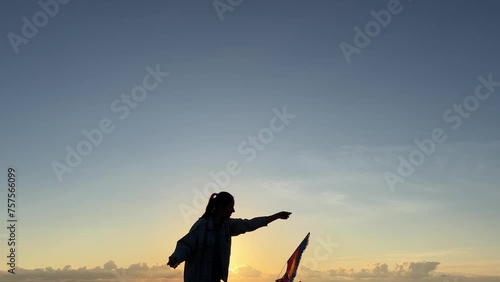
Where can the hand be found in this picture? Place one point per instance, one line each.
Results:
(173, 262)
(280, 215)
(284, 215)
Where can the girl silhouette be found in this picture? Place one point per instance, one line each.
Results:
(206, 248)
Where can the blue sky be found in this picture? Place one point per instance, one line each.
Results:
(327, 166)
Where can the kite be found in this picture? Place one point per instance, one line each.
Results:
(293, 262)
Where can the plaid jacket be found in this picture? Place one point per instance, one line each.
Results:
(196, 248)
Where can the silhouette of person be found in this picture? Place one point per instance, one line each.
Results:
(206, 248)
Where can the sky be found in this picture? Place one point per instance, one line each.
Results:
(373, 122)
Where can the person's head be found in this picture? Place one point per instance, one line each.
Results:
(220, 204)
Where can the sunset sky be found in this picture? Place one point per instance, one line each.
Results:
(261, 101)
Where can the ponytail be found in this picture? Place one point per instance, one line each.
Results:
(217, 200)
(210, 206)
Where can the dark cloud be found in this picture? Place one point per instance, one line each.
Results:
(422, 271)
(381, 272)
(108, 272)
(378, 270)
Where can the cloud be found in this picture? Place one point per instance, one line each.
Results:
(109, 272)
(381, 269)
(452, 158)
(110, 265)
(281, 188)
(423, 271)
(246, 271)
(416, 269)
(408, 270)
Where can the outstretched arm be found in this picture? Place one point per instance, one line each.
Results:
(240, 226)
(280, 215)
